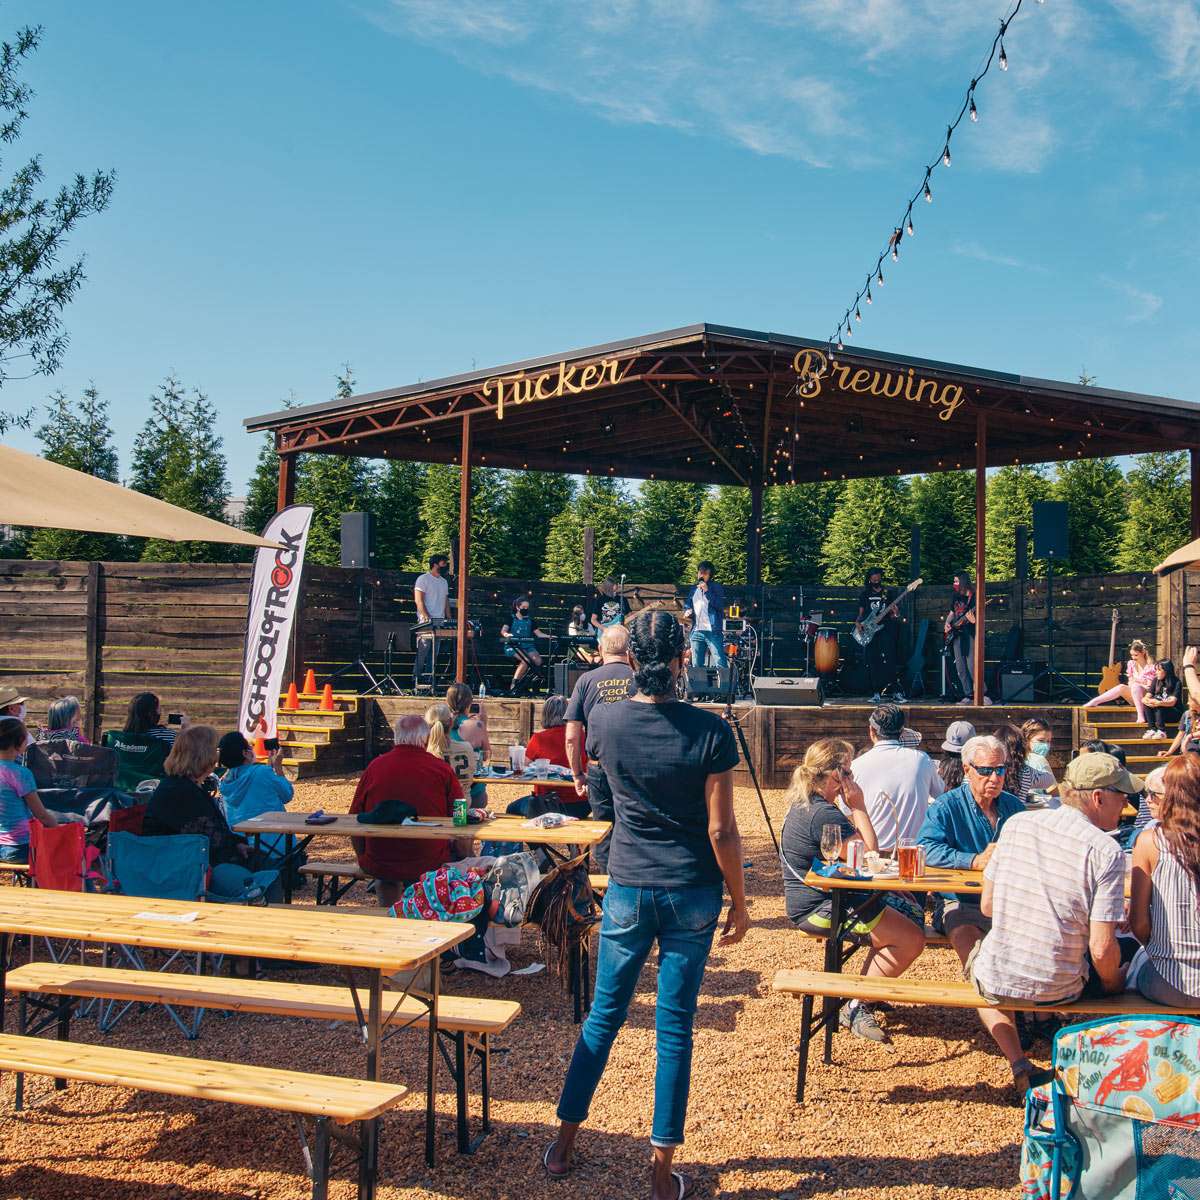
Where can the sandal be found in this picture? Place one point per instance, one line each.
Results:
(546, 1163)
(685, 1184)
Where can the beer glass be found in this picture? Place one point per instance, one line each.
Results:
(908, 854)
(831, 843)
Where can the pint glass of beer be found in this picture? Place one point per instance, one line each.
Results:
(907, 852)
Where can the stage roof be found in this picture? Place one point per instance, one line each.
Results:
(718, 404)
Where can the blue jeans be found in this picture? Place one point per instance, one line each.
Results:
(706, 642)
(683, 921)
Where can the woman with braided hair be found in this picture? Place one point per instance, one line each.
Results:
(675, 842)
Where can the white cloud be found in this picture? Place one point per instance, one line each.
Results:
(1148, 303)
(975, 250)
(1173, 28)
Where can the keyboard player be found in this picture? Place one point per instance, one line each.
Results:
(432, 594)
(580, 627)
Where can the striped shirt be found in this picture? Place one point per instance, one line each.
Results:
(1052, 875)
(1174, 945)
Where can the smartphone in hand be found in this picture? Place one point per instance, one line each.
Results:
(271, 744)
(174, 718)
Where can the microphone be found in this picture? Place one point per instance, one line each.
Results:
(622, 577)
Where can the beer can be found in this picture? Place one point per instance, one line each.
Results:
(856, 854)
(920, 861)
(460, 812)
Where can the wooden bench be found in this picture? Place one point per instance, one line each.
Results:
(599, 883)
(341, 878)
(467, 1021)
(956, 993)
(324, 1097)
(932, 937)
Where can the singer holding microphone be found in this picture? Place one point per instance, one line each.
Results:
(705, 608)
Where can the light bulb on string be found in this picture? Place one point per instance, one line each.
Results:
(879, 277)
(946, 152)
(1003, 59)
(868, 293)
(972, 111)
(857, 314)
(895, 252)
(908, 227)
(928, 193)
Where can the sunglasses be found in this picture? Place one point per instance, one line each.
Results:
(984, 772)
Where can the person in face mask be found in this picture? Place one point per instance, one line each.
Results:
(518, 637)
(1036, 732)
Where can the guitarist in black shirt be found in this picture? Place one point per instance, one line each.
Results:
(959, 628)
(881, 650)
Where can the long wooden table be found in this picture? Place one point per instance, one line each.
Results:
(379, 945)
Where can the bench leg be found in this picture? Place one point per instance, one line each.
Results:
(368, 1159)
(833, 965)
(806, 1016)
(64, 1032)
(485, 1080)
(435, 984)
(462, 1068)
(576, 983)
(320, 1160)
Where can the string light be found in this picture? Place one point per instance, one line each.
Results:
(997, 54)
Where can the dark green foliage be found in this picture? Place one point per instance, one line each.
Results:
(262, 492)
(720, 535)
(797, 519)
(603, 504)
(529, 502)
(944, 506)
(664, 526)
(871, 528)
(1011, 492)
(1094, 490)
(1159, 518)
(398, 513)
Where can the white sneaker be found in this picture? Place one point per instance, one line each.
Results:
(987, 700)
(1160, 735)
(965, 700)
(1149, 735)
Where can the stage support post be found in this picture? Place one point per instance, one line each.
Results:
(589, 555)
(464, 548)
(1195, 494)
(754, 537)
(980, 547)
(287, 483)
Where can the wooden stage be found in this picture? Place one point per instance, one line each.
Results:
(777, 736)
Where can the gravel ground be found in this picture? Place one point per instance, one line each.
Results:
(931, 1115)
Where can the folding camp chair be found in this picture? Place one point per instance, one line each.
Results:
(58, 861)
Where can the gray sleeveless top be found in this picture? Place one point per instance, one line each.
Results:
(1174, 945)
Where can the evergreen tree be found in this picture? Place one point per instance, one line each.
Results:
(720, 535)
(529, 502)
(262, 492)
(78, 437)
(797, 519)
(1094, 489)
(944, 507)
(438, 511)
(1011, 492)
(603, 504)
(177, 457)
(663, 528)
(869, 529)
(398, 504)
(1160, 510)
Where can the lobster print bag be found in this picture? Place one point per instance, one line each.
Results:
(1120, 1119)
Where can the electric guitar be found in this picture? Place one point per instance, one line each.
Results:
(1110, 676)
(948, 635)
(870, 626)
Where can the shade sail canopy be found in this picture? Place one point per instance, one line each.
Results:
(48, 495)
(1185, 558)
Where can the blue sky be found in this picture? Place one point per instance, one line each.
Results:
(420, 186)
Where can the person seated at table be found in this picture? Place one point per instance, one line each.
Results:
(430, 786)
(960, 831)
(1185, 735)
(1164, 910)
(896, 781)
(950, 767)
(822, 781)
(470, 725)
(1054, 891)
(64, 722)
(1163, 701)
(580, 626)
(518, 634)
(144, 742)
(1039, 739)
(250, 788)
(1020, 778)
(444, 743)
(19, 801)
(181, 804)
(551, 742)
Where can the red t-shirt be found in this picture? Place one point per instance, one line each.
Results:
(411, 774)
(551, 744)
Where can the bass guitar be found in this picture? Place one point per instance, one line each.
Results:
(870, 626)
(956, 623)
(1110, 676)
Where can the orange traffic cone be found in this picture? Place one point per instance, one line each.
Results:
(327, 698)
(310, 684)
(260, 749)
(292, 703)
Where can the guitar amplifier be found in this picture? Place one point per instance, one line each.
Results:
(708, 682)
(564, 676)
(789, 691)
(1016, 680)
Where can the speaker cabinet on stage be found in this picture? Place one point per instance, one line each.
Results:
(708, 682)
(358, 539)
(1051, 529)
(792, 691)
(564, 676)
(1015, 680)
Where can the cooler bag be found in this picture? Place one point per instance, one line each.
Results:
(1120, 1118)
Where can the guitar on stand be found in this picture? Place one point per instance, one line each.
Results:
(1110, 676)
(871, 624)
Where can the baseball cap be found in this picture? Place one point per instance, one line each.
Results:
(1090, 771)
(910, 739)
(958, 734)
(10, 695)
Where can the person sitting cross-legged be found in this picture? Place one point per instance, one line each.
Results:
(895, 940)
(1054, 889)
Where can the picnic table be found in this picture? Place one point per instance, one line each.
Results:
(379, 945)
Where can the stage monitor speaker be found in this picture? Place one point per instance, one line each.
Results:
(1021, 547)
(1051, 529)
(792, 691)
(709, 682)
(358, 539)
(1015, 681)
(564, 676)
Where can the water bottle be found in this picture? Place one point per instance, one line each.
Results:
(482, 690)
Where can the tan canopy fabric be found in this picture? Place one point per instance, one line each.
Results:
(44, 494)
(1186, 558)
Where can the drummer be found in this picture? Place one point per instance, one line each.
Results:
(704, 606)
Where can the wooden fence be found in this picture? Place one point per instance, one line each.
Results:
(105, 631)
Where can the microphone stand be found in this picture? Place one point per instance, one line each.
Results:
(749, 761)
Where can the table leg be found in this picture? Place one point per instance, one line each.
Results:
(830, 1006)
(4, 936)
(806, 1017)
(435, 978)
(288, 846)
(369, 1130)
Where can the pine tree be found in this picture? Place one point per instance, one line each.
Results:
(177, 457)
(871, 528)
(663, 527)
(529, 502)
(797, 520)
(1095, 492)
(398, 532)
(1160, 510)
(262, 492)
(944, 507)
(720, 535)
(441, 490)
(603, 504)
(1011, 492)
(79, 437)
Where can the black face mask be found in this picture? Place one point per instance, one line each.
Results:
(875, 587)
(522, 612)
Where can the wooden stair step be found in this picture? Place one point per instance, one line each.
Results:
(345, 1100)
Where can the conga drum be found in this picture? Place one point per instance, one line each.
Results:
(825, 652)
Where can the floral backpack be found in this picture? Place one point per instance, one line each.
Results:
(1120, 1118)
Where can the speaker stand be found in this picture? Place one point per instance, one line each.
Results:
(358, 665)
(1060, 689)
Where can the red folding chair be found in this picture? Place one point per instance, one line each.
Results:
(59, 860)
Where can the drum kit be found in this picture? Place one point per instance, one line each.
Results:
(820, 646)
